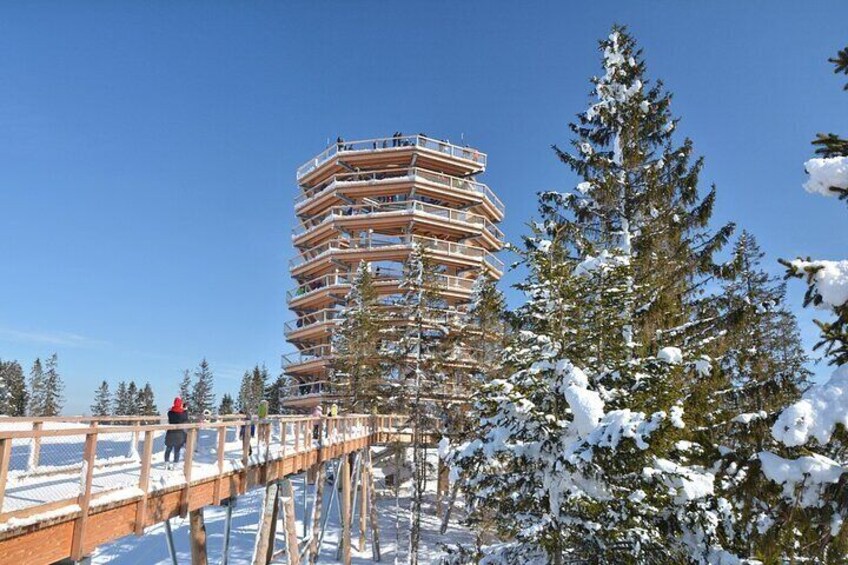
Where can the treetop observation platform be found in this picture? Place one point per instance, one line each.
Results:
(344, 156)
(68, 485)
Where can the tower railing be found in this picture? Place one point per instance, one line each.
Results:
(370, 241)
(391, 144)
(352, 210)
(394, 175)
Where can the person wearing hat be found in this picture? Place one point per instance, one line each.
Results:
(175, 439)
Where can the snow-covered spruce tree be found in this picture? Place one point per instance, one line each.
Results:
(35, 404)
(484, 330)
(359, 367)
(6, 368)
(185, 387)
(53, 398)
(275, 392)
(102, 405)
(481, 337)
(13, 376)
(202, 393)
(146, 402)
(227, 405)
(252, 389)
(810, 470)
(132, 400)
(761, 367)
(586, 452)
(761, 352)
(422, 352)
(120, 404)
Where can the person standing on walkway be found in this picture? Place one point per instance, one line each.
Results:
(264, 425)
(175, 439)
(318, 414)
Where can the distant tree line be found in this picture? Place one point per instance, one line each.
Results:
(128, 400)
(40, 395)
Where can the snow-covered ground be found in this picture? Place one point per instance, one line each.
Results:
(152, 547)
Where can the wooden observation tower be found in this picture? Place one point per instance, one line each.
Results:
(371, 201)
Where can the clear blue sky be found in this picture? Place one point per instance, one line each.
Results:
(148, 151)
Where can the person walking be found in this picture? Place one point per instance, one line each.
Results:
(318, 413)
(264, 425)
(175, 439)
(249, 427)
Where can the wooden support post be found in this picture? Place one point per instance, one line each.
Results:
(84, 500)
(356, 475)
(375, 531)
(144, 483)
(451, 501)
(245, 455)
(345, 471)
(222, 442)
(442, 485)
(363, 501)
(198, 537)
(317, 504)
(189, 459)
(333, 492)
(35, 448)
(5, 461)
(292, 548)
(228, 526)
(264, 547)
(169, 539)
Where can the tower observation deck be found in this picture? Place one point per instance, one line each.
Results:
(372, 201)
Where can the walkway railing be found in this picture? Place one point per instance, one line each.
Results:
(90, 465)
(389, 144)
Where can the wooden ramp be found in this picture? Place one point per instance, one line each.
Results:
(55, 512)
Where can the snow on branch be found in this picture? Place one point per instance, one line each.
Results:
(817, 414)
(828, 176)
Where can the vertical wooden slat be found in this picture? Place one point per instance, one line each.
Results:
(35, 455)
(297, 437)
(144, 483)
(189, 459)
(245, 455)
(285, 438)
(5, 461)
(222, 443)
(84, 500)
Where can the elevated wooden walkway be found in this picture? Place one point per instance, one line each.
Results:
(52, 512)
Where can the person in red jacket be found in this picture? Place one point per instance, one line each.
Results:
(175, 439)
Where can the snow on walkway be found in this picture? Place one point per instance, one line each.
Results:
(59, 472)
